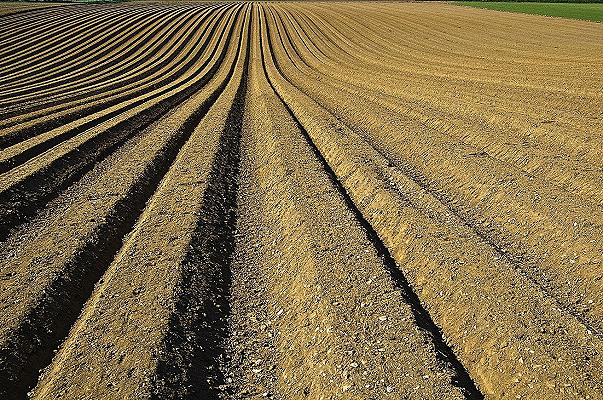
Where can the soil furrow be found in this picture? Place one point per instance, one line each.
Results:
(62, 16)
(20, 200)
(36, 80)
(194, 346)
(59, 18)
(299, 200)
(59, 66)
(29, 10)
(449, 186)
(116, 55)
(533, 159)
(419, 245)
(183, 191)
(67, 41)
(118, 94)
(185, 57)
(297, 246)
(29, 345)
(17, 23)
(421, 315)
(74, 35)
(47, 106)
(487, 141)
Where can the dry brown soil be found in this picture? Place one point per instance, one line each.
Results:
(299, 201)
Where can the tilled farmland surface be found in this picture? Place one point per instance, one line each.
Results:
(299, 200)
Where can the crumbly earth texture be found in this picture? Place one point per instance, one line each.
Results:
(299, 200)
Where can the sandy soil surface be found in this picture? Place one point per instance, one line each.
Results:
(299, 200)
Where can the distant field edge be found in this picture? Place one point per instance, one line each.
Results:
(592, 11)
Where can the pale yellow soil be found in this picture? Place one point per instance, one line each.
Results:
(298, 240)
(152, 257)
(299, 200)
(12, 7)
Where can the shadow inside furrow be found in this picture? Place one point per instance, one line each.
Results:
(32, 346)
(519, 258)
(26, 71)
(144, 25)
(44, 126)
(31, 11)
(189, 366)
(20, 203)
(444, 352)
(66, 37)
(91, 108)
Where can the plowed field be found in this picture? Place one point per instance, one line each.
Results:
(299, 200)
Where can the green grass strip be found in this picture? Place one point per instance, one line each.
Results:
(585, 11)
